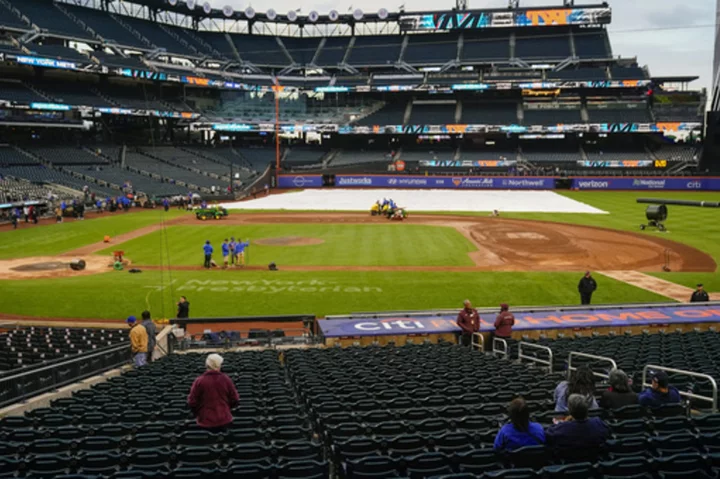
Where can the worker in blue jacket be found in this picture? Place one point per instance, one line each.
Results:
(225, 253)
(240, 251)
(208, 250)
(233, 253)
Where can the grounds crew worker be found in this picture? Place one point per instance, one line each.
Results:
(699, 295)
(586, 288)
(469, 321)
(208, 250)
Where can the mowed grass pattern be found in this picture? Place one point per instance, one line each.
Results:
(343, 245)
(218, 293)
(47, 239)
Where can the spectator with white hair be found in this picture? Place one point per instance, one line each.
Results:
(578, 431)
(212, 396)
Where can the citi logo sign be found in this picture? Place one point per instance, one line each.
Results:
(694, 185)
(389, 325)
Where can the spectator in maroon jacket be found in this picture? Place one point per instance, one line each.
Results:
(504, 322)
(212, 396)
(469, 321)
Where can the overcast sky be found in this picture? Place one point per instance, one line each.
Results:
(672, 37)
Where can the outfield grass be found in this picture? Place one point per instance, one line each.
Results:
(47, 239)
(117, 295)
(343, 245)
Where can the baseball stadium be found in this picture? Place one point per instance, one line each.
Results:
(460, 243)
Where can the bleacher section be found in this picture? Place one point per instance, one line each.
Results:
(558, 157)
(601, 154)
(303, 156)
(481, 46)
(25, 347)
(618, 113)
(489, 113)
(550, 45)
(390, 114)
(346, 158)
(169, 172)
(552, 116)
(438, 113)
(431, 49)
(59, 155)
(119, 177)
(12, 190)
(380, 50)
(11, 157)
(16, 92)
(333, 52)
(46, 16)
(43, 174)
(108, 428)
(176, 156)
(591, 44)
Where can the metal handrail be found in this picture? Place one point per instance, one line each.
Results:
(504, 352)
(548, 363)
(480, 344)
(713, 399)
(590, 356)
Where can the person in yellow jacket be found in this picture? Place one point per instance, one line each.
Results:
(138, 342)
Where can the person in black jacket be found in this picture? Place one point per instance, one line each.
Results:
(619, 393)
(586, 287)
(183, 308)
(699, 295)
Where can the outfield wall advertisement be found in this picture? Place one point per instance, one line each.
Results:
(688, 184)
(507, 183)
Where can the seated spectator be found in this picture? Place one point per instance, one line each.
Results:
(660, 392)
(212, 396)
(519, 432)
(582, 382)
(578, 431)
(619, 393)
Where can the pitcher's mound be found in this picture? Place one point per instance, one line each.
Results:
(289, 241)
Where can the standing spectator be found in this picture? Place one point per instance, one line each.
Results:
(58, 214)
(619, 393)
(26, 213)
(519, 432)
(151, 330)
(582, 383)
(469, 322)
(586, 287)
(14, 217)
(504, 322)
(212, 396)
(183, 308)
(138, 342)
(166, 204)
(660, 392)
(579, 431)
(699, 295)
(208, 250)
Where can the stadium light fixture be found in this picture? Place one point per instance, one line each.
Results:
(292, 15)
(383, 13)
(313, 16)
(228, 11)
(191, 4)
(250, 12)
(207, 8)
(358, 14)
(172, 3)
(271, 14)
(333, 15)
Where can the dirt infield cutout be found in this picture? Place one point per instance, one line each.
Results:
(289, 241)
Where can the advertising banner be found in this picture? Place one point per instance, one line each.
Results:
(450, 182)
(680, 184)
(334, 328)
(300, 181)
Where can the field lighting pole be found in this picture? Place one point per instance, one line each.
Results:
(277, 89)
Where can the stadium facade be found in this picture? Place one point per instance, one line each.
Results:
(512, 90)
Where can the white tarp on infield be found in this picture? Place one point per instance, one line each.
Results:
(419, 200)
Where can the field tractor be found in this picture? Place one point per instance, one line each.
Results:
(215, 212)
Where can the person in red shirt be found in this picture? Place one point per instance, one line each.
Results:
(469, 322)
(212, 396)
(504, 322)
